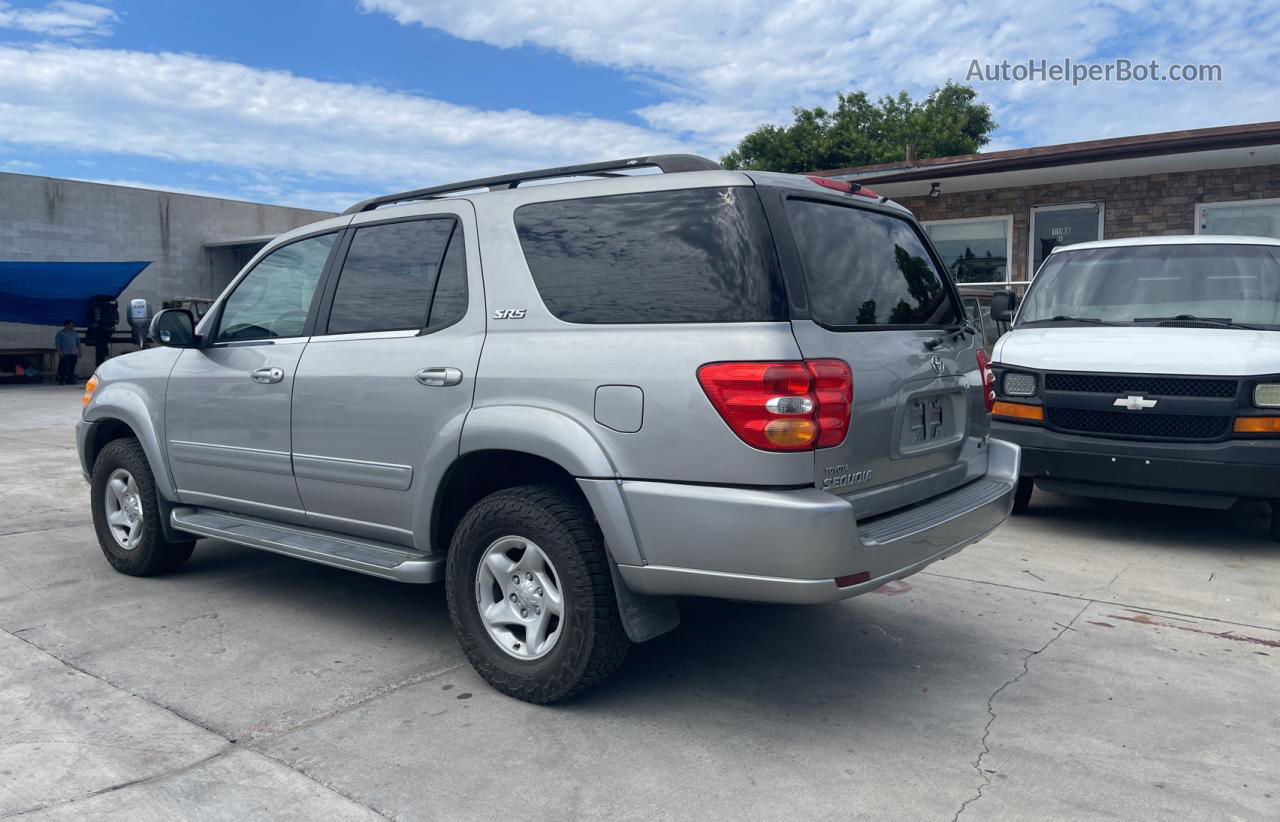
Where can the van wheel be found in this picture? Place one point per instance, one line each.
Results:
(126, 514)
(1022, 496)
(531, 596)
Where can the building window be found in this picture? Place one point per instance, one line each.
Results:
(1260, 218)
(976, 251)
(1055, 225)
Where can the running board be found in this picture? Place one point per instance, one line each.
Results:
(365, 556)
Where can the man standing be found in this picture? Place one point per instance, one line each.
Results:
(67, 341)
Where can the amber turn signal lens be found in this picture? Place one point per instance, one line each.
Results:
(791, 433)
(1257, 425)
(89, 388)
(1018, 411)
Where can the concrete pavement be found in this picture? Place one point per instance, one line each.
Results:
(1089, 661)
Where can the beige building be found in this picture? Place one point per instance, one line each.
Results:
(994, 216)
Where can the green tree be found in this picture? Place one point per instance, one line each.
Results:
(861, 132)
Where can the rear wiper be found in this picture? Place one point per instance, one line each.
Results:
(951, 333)
(1063, 318)
(1223, 321)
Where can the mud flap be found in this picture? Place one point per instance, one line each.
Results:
(644, 617)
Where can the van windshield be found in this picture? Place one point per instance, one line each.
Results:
(864, 268)
(1216, 283)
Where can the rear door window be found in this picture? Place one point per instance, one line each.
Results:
(864, 268)
(389, 276)
(692, 256)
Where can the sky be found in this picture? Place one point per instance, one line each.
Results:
(320, 103)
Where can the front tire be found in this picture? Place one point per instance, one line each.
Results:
(531, 596)
(126, 513)
(1022, 495)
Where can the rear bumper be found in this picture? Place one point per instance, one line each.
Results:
(792, 546)
(1207, 475)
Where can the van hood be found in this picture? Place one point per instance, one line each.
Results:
(1226, 352)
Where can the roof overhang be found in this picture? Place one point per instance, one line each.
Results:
(261, 239)
(1167, 152)
(951, 180)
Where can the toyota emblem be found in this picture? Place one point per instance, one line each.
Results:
(936, 362)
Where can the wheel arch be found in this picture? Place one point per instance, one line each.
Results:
(120, 410)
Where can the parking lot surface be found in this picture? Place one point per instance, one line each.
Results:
(1091, 660)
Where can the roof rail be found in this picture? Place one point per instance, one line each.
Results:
(667, 163)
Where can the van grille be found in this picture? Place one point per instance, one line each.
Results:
(1122, 384)
(1139, 424)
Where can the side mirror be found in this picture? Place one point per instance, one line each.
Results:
(1003, 304)
(175, 328)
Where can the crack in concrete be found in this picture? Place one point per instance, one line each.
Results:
(250, 744)
(991, 711)
(1079, 597)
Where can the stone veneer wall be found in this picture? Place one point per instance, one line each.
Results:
(1133, 206)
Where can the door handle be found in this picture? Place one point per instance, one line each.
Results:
(268, 375)
(439, 376)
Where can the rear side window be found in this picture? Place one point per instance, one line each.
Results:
(863, 268)
(389, 276)
(693, 256)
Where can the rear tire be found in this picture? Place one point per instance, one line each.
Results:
(126, 513)
(526, 549)
(1022, 496)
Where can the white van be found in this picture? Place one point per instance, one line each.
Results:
(1146, 369)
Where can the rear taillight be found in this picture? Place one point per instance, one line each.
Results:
(988, 380)
(782, 406)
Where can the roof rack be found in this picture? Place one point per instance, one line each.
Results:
(667, 163)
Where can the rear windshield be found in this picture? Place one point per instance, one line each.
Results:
(693, 256)
(863, 268)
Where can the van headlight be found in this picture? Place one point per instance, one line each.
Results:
(1022, 385)
(1267, 395)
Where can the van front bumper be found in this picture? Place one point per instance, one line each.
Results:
(1200, 474)
(805, 545)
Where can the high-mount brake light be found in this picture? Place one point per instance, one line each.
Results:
(844, 186)
(782, 406)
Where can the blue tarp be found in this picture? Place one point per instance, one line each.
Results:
(52, 293)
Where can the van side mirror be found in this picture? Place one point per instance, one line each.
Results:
(1003, 304)
(175, 328)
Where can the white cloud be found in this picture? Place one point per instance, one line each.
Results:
(63, 18)
(732, 64)
(291, 129)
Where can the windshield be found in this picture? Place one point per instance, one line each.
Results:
(1239, 283)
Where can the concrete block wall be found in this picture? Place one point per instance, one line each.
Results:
(1139, 206)
(43, 218)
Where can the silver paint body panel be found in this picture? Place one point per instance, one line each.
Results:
(350, 448)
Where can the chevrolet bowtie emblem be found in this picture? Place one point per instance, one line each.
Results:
(1135, 403)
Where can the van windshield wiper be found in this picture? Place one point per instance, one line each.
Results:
(1223, 321)
(1063, 318)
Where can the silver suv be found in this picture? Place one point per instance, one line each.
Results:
(572, 403)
